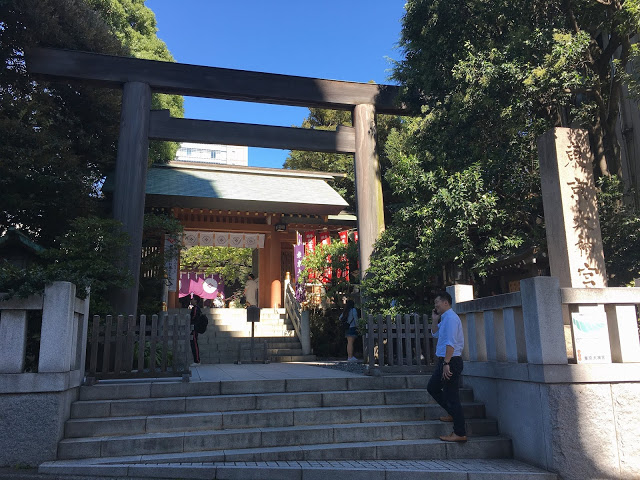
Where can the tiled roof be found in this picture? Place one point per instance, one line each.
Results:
(243, 189)
(14, 236)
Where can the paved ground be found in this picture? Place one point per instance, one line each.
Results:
(260, 371)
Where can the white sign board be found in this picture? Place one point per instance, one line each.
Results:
(591, 337)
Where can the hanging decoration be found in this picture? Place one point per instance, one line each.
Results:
(203, 285)
(223, 239)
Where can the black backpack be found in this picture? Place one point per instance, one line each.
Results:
(200, 325)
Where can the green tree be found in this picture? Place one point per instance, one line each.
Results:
(58, 139)
(484, 80)
(233, 264)
(134, 25)
(84, 256)
(322, 119)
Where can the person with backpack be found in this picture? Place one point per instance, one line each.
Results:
(196, 312)
(349, 318)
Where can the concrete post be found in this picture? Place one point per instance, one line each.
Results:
(623, 333)
(492, 324)
(130, 183)
(56, 339)
(571, 217)
(470, 338)
(83, 330)
(478, 335)
(542, 315)
(305, 333)
(13, 340)
(368, 185)
(462, 293)
(515, 344)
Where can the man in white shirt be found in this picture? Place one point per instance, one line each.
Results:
(444, 384)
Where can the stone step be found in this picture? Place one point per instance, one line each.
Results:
(79, 431)
(293, 358)
(245, 357)
(244, 335)
(138, 390)
(286, 338)
(258, 357)
(251, 401)
(242, 325)
(272, 342)
(236, 446)
(135, 425)
(442, 469)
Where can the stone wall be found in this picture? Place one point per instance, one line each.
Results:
(32, 426)
(582, 430)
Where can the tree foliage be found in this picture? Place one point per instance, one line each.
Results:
(484, 80)
(83, 256)
(620, 233)
(58, 139)
(322, 119)
(233, 264)
(134, 25)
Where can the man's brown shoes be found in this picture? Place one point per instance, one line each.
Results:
(447, 418)
(453, 438)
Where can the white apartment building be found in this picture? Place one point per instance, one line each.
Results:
(217, 154)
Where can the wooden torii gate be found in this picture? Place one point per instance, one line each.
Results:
(138, 78)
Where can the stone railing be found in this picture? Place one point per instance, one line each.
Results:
(63, 339)
(529, 326)
(299, 318)
(520, 350)
(39, 403)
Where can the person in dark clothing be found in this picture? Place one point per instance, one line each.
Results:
(195, 313)
(349, 317)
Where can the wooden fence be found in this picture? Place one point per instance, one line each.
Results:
(125, 348)
(403, 342)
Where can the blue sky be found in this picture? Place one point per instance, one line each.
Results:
(343, 40)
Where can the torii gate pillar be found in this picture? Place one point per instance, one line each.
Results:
(368, 185)
(130, 184)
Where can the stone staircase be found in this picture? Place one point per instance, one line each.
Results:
(376, 419)
(228, 337)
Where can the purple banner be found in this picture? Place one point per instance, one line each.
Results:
(205, 286)
(298, 257)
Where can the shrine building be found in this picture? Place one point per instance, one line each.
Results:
(249, 207)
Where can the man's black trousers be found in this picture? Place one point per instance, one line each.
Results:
(447, 392)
